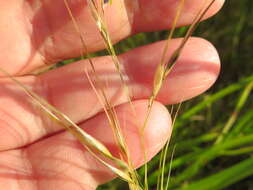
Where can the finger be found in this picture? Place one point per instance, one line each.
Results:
(45, 33)
(196, 70)
(69, 90)
(60, 161)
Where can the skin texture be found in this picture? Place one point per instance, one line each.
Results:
(37, 154)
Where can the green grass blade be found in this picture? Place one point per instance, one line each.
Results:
(241, 102)
(213, 98)
(224, 178)
(210, 154)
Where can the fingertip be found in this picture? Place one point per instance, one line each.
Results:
(156, 133)
(196, 70)
(216, 7)
(158, 129)
(157, 15)
(131, 119)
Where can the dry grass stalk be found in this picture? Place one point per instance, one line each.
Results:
(97, 10)
(158, 80)
(123, 167)
(98, 13)
(106, 103)
(95, 147)
(164, 155)
(164, 68)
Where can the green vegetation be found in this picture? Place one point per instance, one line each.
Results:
(213, 136)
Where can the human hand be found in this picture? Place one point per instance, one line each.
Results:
(35, 152)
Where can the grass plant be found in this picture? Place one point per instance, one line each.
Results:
(181, 165)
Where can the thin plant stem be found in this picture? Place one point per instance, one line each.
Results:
(111, 114)
(242, 100)
(170, 168)
(158, 83)
(166, 150)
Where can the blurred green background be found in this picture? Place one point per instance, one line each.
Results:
(204, 158)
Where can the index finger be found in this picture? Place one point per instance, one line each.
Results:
(42, 31)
